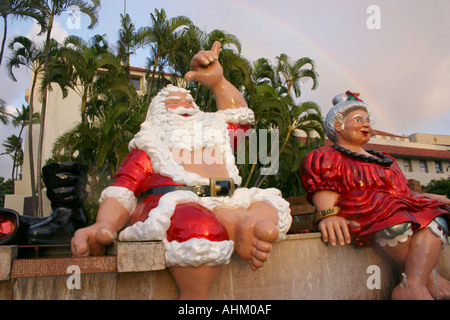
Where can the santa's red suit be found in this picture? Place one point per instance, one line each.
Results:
(192, 234)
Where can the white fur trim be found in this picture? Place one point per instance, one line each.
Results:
(121, 194)
(158, 222)
(196, 252)
(434, 227)
(242, 116)
(394, 242)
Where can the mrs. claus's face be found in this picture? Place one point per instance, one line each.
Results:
(356, 129)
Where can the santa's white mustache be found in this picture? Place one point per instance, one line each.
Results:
(183, 110)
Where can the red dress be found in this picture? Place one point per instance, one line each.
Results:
(374, 195)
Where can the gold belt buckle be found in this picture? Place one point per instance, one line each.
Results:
(216, 187)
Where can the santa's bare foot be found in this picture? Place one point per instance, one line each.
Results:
(438, 286)
(265, 232)
(253, 231)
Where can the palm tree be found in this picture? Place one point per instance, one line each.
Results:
(277, 112)
(49, 9)
(83, 60)
(293, 73)
(3, 113)
(20, 9)
(26, 53)
(163, 36)
(127, 42)
(21, 119)
(191, 41)
(101, 143)
(264, 72)
(13, 147)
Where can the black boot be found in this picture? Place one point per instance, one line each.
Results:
(14, 227)
(65, 182)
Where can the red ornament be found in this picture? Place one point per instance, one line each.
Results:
(355, 95)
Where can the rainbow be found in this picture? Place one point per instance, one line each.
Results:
(352, 83)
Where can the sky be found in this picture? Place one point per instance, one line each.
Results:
(396, 54)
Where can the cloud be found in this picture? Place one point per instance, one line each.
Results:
(425, 94)
(439, 94)
(58, 33)
(11, 109)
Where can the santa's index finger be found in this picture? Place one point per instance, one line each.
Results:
(216, 48)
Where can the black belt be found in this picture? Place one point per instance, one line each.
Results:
(216, 188)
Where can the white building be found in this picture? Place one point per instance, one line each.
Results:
(422, 157)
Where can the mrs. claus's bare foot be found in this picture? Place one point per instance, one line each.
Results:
(438, 286)
(410, 291)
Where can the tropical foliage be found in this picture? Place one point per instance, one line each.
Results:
(27, 54)
(111, 110)
(3, 113)
(19, 9)
(6, 187)
(277, 112)
(44, 12)
(13, 144)
(438, 186)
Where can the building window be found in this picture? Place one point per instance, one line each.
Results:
(407, 165)
(136, 82)
(423, 166)
(439, 167)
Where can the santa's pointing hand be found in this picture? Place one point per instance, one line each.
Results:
(205, 67)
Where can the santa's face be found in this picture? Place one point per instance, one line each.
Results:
(356, 130)
(179, 103)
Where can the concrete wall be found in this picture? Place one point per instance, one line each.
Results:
(301, 267)
(438, 139)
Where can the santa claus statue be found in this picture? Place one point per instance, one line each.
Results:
(180, 184)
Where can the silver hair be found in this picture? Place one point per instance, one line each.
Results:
(157, 106)
(342, 107)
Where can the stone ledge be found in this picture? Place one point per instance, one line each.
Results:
(121, 257)
(7, 255)
(139, 256)
(301, 267)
